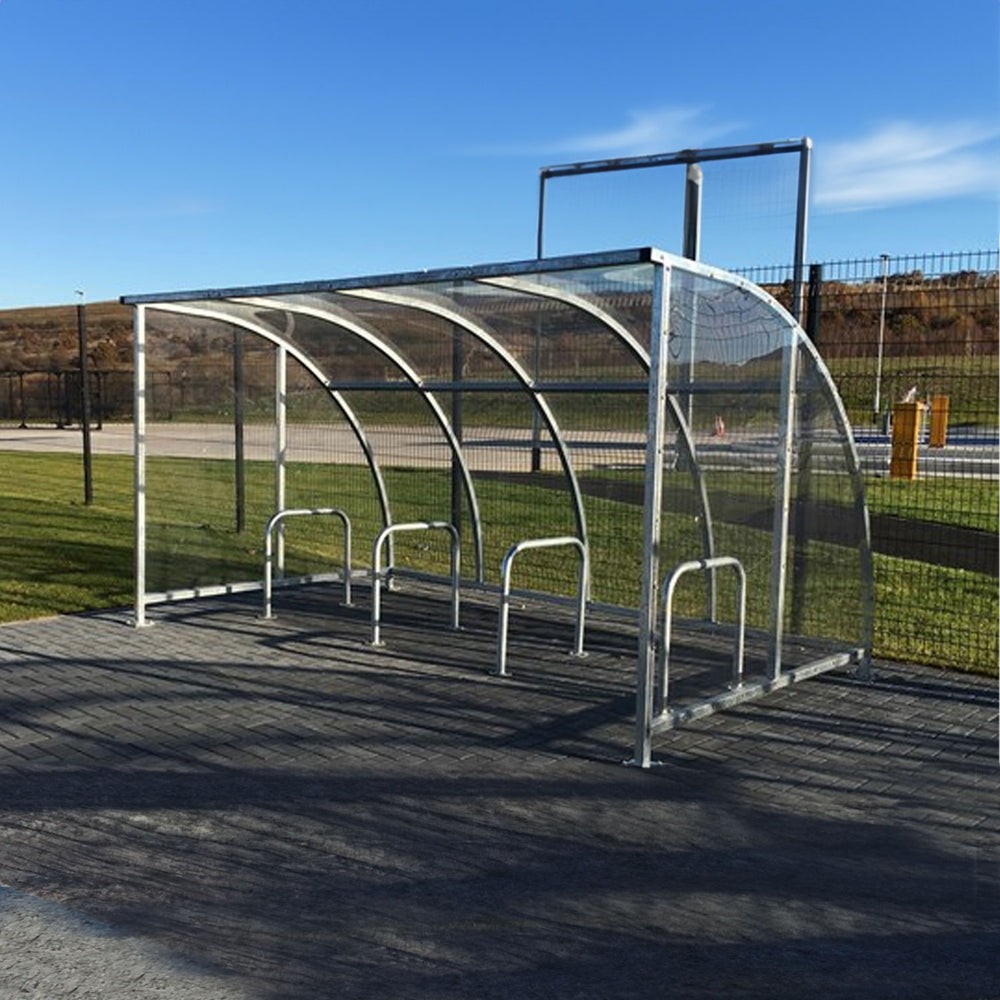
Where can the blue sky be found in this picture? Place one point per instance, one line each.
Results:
(205, 143)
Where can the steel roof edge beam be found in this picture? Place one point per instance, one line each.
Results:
(209, 312)
(329, 313)
(575, 262)
(571, 262)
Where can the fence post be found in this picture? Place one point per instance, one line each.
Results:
(88, 464)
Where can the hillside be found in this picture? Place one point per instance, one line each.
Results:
(45, 338)
(954, 314)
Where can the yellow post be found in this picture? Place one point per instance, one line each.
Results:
(939, 421)
(906, 421)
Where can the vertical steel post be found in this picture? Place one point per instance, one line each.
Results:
(804, 471)
(239, 466)
(652, 516)
(877, 403)
(801, 228)
(692, 249)
(693, 184)
(457, 482)
(782, 501)
(692, 211)
(536, 424)
(139, 453)
(540, 232)
(88, 464)
(280, 446)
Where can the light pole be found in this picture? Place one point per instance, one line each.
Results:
(81, 329)
(881, 338)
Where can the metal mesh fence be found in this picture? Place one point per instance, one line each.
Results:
(33, 398)
(921, 329)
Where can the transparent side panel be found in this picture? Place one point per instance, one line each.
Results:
(516, 502)
(724, 372)
(825, 595)
(210, 446)
(325, 466)
(726, 353)
(584, 335)
(622, 293)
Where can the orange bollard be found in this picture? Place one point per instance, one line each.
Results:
(939, 421)
(906, 422)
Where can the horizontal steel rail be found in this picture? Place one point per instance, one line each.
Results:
(670, 582)
(506, 569)
(627, 386)
(673, 159)
(276, 520)
(753, 689)
(388, 532)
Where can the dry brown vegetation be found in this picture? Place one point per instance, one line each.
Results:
(955, 314)
(45, 338)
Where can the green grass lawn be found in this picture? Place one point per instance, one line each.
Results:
(58, 556)
(970, 383)
(966, 503)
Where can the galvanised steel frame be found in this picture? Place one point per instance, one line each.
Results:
(426, 292)
(692, 199)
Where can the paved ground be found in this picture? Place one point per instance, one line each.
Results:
(220, 806)
(487, 449)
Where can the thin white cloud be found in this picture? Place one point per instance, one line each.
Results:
(659, 130)
(902, 162)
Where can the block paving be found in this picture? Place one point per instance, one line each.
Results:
(225, 806)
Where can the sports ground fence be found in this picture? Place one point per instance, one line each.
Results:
(921, 329)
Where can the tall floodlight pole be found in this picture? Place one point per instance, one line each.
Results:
(877, 405)
(81, 329)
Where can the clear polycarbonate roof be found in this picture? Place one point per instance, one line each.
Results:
(762, 461)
